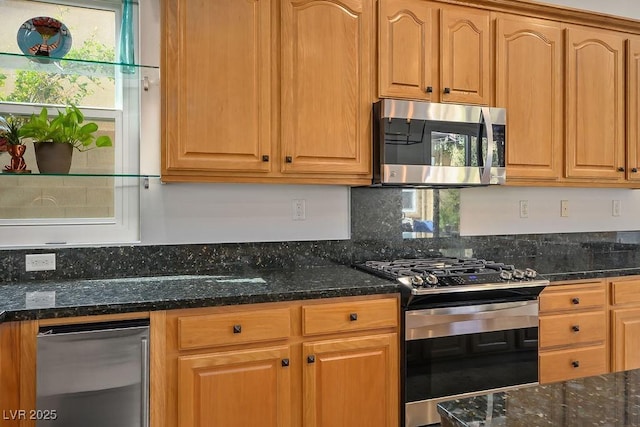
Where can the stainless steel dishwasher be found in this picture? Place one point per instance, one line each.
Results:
(94, 375)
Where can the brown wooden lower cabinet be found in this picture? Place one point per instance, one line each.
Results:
(324, 377)
(347, 382)
(236, 388)
(625, 323)
(573, 333)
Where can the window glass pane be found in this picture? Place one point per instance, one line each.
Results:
(23, 89)
(93, 34)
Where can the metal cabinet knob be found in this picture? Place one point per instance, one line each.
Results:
(285, 362)
(265, 158)
(447, 90)
(311, 359)
(575, 328)
(353, 317)
(634, 170)
(429, 89)
(620, 169)
(237, 329)
(575, 363)
(575, 301)
(288, 159)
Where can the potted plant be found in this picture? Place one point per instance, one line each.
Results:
(11, 141)
(55, 138)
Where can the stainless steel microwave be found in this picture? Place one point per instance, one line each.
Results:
(426, 144)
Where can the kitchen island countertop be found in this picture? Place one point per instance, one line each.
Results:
(52, 299)
(611, 400)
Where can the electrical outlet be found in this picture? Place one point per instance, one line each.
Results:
(299, 210)
(40, 262)
(564, 208)
(524, 209)
(615, 208)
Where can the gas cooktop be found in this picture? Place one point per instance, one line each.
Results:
(451, 274)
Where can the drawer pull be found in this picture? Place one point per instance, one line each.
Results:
(353, 317)
(237, 329)
(575, 363)
(575, 301)
(311, 359)
(575, 328)
(285, 362)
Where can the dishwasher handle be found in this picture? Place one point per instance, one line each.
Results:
(144, 410)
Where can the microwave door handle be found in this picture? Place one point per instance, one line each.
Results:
(491, 145)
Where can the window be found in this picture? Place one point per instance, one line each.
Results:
(102, 206)
(408, 201)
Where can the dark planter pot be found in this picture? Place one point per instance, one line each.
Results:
(53, 157)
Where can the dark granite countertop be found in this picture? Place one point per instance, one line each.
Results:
(47, 299)
(606, 400)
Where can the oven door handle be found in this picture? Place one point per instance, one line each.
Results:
(485, 113)
(527, 306)
(451, 321)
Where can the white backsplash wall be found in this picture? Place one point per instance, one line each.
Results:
(215, 213)
(226, 213)
(496, 210)
(628, 8)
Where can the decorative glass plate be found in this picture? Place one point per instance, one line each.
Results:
(44, 36)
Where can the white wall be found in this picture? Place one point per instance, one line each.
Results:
(496, 210)
(212, 213)
(627, 8)
(219, 213)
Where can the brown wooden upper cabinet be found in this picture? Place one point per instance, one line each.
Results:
(595, 97)
(222, 117)
(217, 93)
(529, 84)
(434, 52)
(327, 86)
(633, 109)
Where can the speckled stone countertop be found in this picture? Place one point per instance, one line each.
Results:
(611, 400)
(47, 299)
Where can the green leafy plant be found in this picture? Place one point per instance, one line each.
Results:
(65, 128)
(10, 130)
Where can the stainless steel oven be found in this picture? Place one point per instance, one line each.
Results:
(469, 325)
(450, 352)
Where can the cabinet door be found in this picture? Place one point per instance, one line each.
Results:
(529, 81)
(465, 56)
(217, 86)
(626, 338)
(633, 110)
(235, 389)
(595, 104)
(351, 382)
(327, 82)
(407, 60)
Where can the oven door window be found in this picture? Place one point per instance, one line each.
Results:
(452, 365)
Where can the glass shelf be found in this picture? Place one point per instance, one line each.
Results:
(15, 61)
(86, 175)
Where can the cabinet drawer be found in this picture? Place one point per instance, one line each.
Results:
(624, 292)
(349, 316)
(572, 363)
(572, 297)
(233, 328)
(573, 328)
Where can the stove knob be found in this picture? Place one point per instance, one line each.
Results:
(431, 279)
(417, 281)
(530, 273)
(506, 275)
(518, 274)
